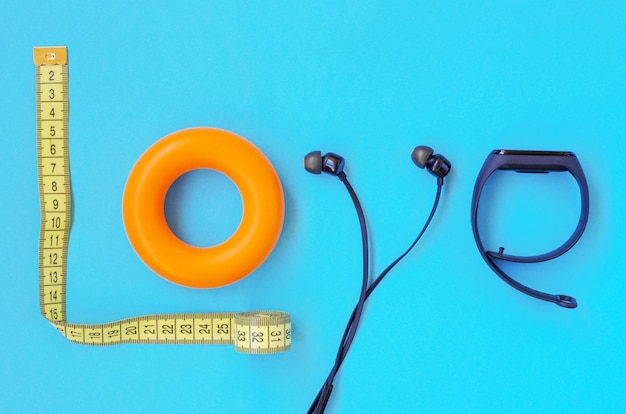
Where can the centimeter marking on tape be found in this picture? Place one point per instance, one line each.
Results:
(263, 332)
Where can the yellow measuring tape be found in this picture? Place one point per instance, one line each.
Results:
(263, 332)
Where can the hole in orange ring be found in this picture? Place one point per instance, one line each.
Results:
(261, 197)
(203, 207)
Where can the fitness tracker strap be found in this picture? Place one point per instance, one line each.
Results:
(531, 162)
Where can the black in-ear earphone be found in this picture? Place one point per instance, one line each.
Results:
(436, 164)
(333, 164)
(329, 163)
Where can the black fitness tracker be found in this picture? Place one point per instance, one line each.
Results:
(531, 162)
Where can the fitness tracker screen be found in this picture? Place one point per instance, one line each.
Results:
(524, 152)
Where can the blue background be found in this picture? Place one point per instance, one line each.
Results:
(442, 333)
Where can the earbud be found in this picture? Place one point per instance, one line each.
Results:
(330, 163)
(436, 164)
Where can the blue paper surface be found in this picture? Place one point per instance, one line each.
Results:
(369, 81)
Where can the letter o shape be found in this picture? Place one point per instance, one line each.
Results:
(144, 213)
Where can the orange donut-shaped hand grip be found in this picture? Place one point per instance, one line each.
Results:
(144, 215)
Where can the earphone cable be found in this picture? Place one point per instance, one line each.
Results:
(350, 337)
(319, 403)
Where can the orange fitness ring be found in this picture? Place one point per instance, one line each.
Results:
(144, 215)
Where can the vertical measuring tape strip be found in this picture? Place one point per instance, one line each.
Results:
(263, 332)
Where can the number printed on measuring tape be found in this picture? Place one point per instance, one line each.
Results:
(262, 332)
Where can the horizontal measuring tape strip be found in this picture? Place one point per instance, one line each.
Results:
(263, 332)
